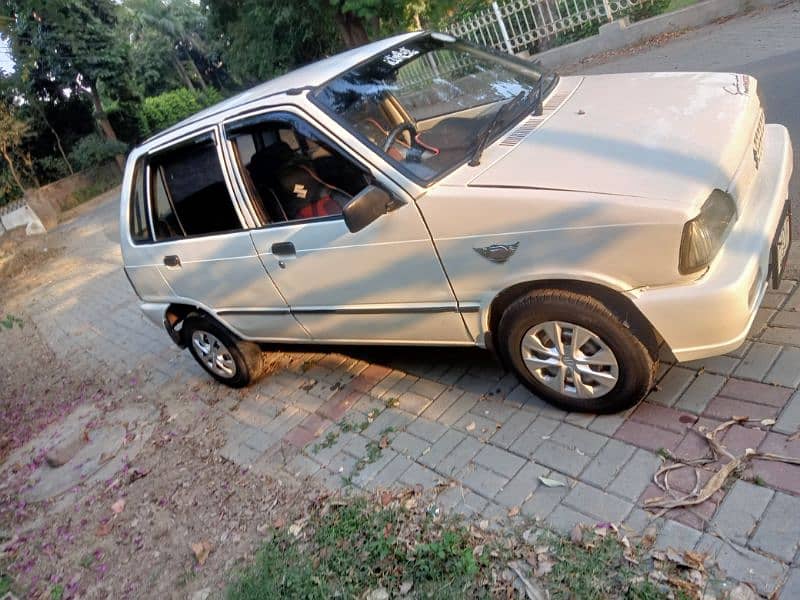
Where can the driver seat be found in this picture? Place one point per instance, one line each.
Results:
(306, 195)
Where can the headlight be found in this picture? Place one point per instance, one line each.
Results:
(703, 236)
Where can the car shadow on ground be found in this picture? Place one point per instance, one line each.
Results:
(416, 360)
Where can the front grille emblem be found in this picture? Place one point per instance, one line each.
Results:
(498, 253)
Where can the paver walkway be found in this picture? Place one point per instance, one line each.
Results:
(367, 417)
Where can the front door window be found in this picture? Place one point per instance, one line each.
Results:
(291, 173)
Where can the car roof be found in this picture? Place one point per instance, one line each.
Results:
(311, 75)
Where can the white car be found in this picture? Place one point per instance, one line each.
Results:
(421, 190)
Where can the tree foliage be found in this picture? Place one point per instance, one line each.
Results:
(88, 71)
(259, 39)
(13, 131)
(169, 46)
(168, 108)
(71, 45)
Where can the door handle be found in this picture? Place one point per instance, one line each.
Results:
(283, 249)
(172, 260)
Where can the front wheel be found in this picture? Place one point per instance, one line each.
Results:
(231, 361)
(574, 352)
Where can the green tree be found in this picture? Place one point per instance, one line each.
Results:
(259, 39)
(13, 131)
(169, 47)
(71, 44)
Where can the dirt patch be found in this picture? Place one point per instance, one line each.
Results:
(137, 533)
(22, 256)
(137, 484)
(28, 403)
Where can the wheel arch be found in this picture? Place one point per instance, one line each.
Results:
(617, 302)
(177, 312)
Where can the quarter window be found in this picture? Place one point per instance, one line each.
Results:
(189, 196)
(140, 228)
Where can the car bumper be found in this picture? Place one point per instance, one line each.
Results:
(713, 314)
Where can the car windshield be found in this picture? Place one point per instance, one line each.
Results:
(428, 104)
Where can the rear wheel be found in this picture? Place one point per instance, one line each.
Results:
(231, 361)
(574, 352)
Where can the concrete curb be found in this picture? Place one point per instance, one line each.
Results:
(621, 33)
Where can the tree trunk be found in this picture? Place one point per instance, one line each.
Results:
(351, 27)
(102, 120)
(194, 67)
(100, 115)
(182, 72)
(58, 138)
(7, 156)
(198, 73)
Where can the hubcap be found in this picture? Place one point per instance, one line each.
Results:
(572, 360)
(213, 354)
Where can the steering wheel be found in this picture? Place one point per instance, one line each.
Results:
(397, 130)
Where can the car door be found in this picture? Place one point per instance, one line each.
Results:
(201, 248)
(384, 283)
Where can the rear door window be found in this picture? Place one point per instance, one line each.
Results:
(189, 196)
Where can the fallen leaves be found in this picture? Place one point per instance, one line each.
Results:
(533, 591)
(719, 454)
(682, 569)
(551, 482)
(576, 535)
(297, 527)
(201, 551)
(118, 506)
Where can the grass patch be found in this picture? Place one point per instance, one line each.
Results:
(9, 321)
(5, 584)
(349, 547)
(679, 4)
(596, 569)
(330, 439)
(354, 548)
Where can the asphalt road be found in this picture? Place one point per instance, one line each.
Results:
(764, 44)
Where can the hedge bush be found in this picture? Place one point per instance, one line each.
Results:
(166, 109)
(50, 168)
(94, 150)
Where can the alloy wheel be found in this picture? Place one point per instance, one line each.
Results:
(570, 359)
(214, 354)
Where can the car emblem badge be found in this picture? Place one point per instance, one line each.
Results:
(498, 253)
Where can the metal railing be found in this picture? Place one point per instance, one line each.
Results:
(517, 25)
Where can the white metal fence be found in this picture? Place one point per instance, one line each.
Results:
(517, 25)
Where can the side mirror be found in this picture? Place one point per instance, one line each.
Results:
(366, 206)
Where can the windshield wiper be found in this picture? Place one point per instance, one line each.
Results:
(486, 132)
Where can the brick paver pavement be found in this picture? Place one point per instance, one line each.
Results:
(383, 417)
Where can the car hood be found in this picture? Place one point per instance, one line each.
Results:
(671, 136)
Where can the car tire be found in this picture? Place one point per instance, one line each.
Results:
(229, 360)
(610, 370)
